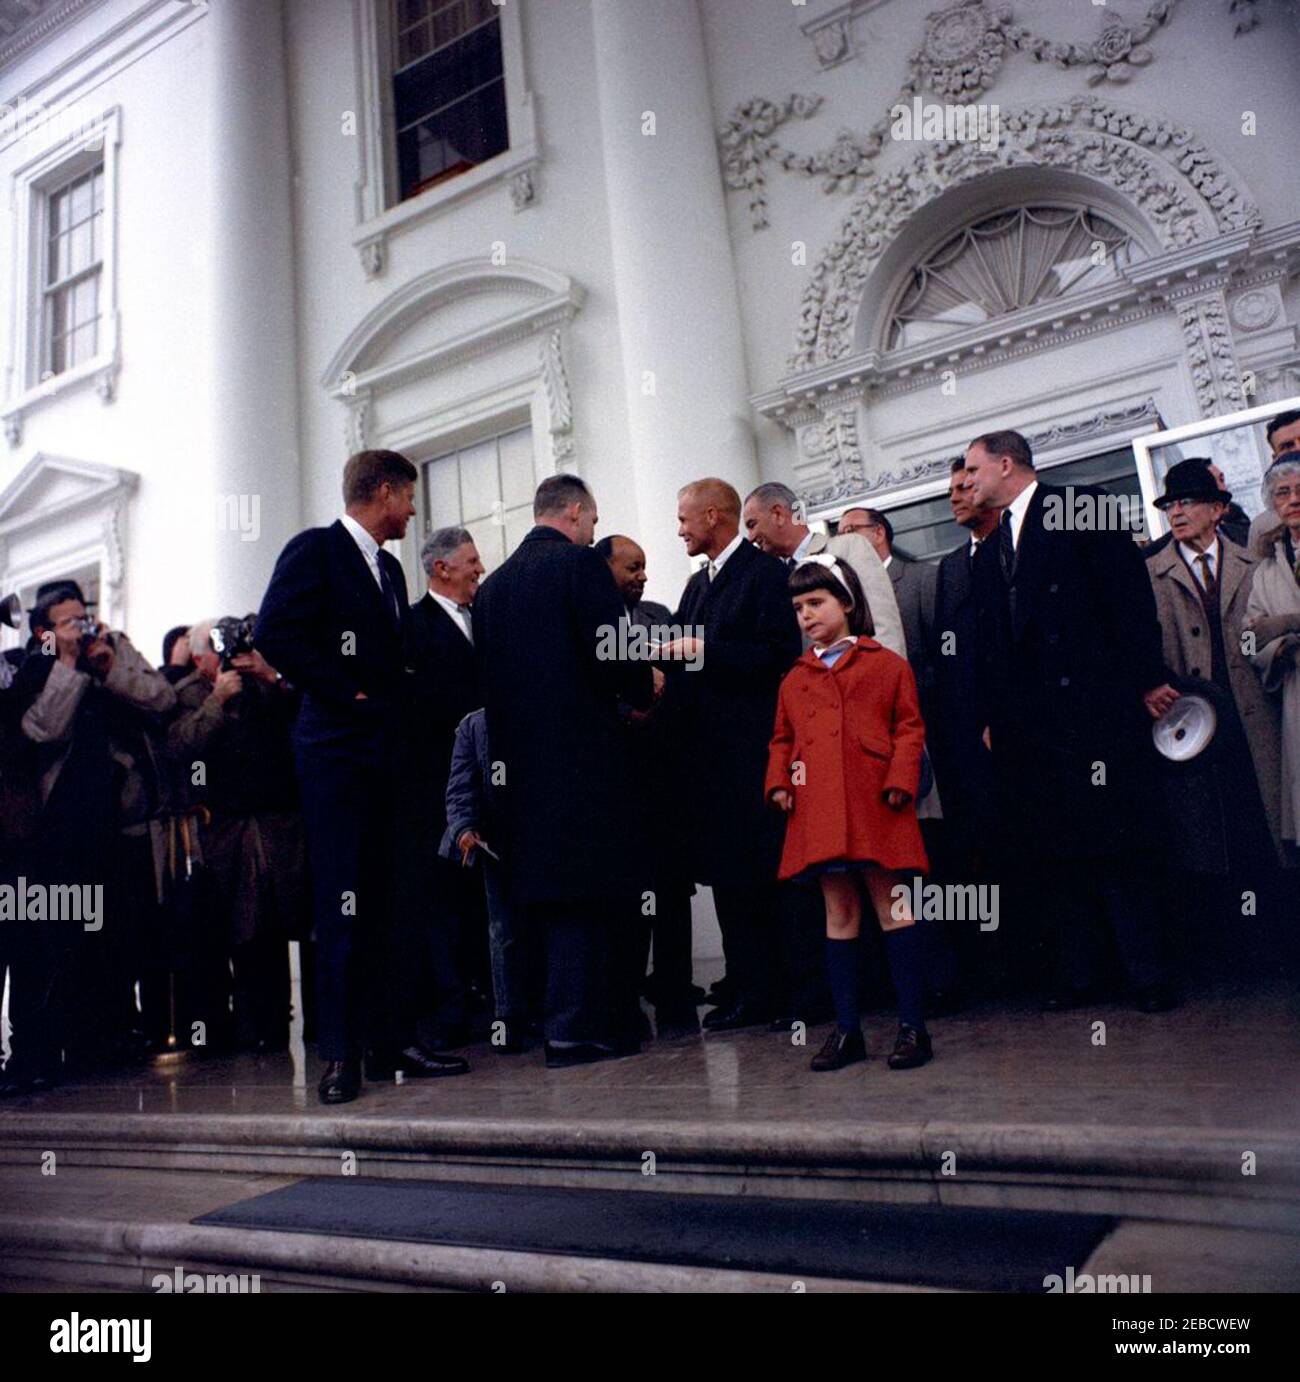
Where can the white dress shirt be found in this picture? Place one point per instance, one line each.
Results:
(1018, 507)
(801, 551)
(369, 547)
(717, 563)
(1193, 559)
(459, 617)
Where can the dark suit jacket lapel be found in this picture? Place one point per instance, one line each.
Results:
(1030, 551)
(732, 570)
(353, 561)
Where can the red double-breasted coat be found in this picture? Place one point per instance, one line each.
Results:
(846, 734)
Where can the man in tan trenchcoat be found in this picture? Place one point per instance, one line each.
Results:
(1192, 576)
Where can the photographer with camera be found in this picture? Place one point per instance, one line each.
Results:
(88, 704)
(231, 744)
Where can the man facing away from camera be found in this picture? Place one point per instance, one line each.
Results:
(541, 621)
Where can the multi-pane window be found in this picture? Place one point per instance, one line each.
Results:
(73, 265)
(449, 89)
(487, 488)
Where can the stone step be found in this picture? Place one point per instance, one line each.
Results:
(1167, 1174)
(114, 1230)
(101, 1229)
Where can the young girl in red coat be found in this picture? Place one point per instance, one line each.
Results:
(844, 765)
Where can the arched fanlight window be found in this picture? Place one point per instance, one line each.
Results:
(1006, 262)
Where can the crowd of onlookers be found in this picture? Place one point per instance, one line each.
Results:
(478, 822)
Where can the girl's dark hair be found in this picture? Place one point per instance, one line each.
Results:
(840, 581)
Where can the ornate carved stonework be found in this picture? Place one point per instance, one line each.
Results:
(114, 550)
(1254, 309)
(1157, 165)
(523, 190)
(357, 427)
(559, 402)
(1211, 358)
(830, 454)
(373, 258)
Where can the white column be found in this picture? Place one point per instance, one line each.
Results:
(253, 395)
(678, 313)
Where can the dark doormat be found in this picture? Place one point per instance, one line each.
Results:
(920, 1245)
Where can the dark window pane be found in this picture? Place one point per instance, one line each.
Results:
(446, 75)
(453, 141)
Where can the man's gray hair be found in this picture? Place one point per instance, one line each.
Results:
(440, 545)
(1284, 465)
(773, 492)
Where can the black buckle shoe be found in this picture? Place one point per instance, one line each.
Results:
(840, 1049)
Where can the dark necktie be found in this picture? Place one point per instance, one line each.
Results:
(1207, 574)
(1006, 545)
(390, 595)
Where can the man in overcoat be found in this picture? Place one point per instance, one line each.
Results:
(1070, 676)
(546, 628)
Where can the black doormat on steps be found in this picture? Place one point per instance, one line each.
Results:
(919, 1245)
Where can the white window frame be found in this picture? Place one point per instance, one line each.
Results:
(378, 216)
(28, 383)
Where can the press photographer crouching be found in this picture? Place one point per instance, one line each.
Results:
(231, 751)
(88, 705)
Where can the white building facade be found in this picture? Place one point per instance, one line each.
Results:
(644, 240)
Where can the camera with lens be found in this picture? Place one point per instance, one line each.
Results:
(88, 628)
(232, 637)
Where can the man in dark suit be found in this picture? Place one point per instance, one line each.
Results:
(662, 850)
(954, 737)
(1070, 675)
(547, 627)
(443, 898)
(335, 622)
(914, 586)
(742, 639)
(955, 728)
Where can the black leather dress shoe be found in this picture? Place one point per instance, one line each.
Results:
(1156, 998)
(911, 1048)
(733, 1018)
(840, 1049)
(415, 1063)
(341, 1082)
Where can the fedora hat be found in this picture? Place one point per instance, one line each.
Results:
(1191, 479)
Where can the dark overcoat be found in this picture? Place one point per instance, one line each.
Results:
(722, 713)
(954, 726)
(1065, 654)
(541, 632)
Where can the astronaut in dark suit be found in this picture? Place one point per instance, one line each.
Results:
(742, 639)
(1070, 674)
(440, 897)
(336, 623)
